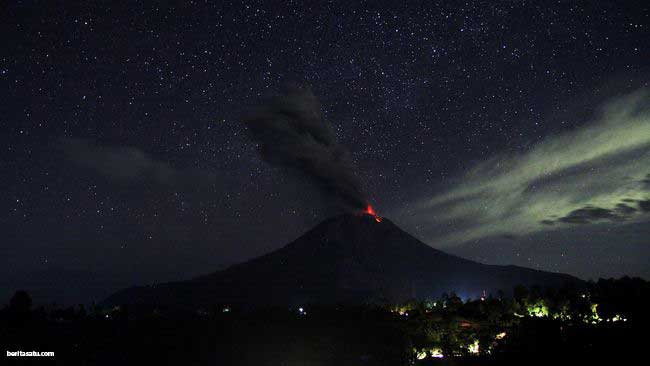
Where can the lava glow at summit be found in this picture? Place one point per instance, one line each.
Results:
(371, 211)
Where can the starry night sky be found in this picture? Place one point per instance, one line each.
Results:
(510, 132)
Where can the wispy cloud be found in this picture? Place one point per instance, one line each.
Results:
(123, 164)
(598, 173)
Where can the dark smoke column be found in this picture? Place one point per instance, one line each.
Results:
(291, 133)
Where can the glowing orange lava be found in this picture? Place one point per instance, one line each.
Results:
(371, 211)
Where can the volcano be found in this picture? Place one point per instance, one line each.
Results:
(345, 259)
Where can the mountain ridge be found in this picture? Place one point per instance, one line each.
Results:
(344, 259)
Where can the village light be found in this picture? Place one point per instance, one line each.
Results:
(436, 353)
(421, 355)
(473, 348)
(538, 310)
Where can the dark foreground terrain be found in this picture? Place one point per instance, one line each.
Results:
(608, 321)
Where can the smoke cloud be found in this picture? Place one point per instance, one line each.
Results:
(290, 132)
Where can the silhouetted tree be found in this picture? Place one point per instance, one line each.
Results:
(21, 302)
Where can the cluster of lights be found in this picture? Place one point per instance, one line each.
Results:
(594, 318)
(434, 352)
(472, 348)
(617, 318)
(538, 310)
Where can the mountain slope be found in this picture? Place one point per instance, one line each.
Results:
(348, 258)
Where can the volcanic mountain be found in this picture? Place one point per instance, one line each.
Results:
(345, 259)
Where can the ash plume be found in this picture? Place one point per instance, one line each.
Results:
(290, 132)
